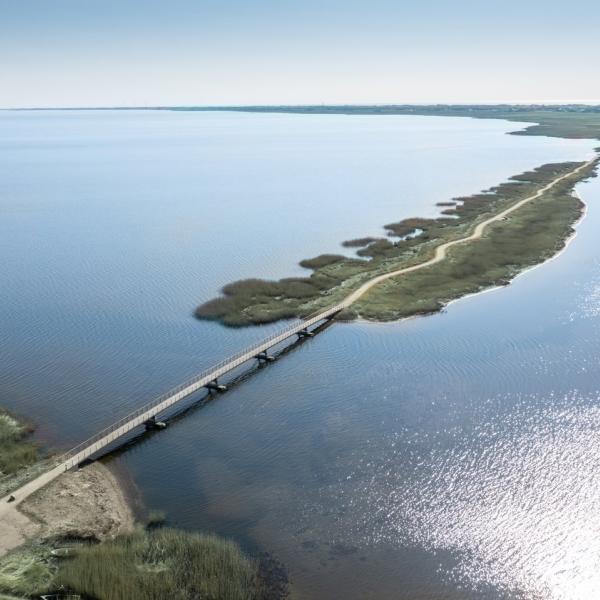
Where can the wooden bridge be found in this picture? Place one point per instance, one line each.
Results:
(209, 379)
(146, 414)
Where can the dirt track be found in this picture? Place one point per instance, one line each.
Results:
(442, 251)
(87, 503)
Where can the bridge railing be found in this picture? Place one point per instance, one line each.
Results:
(190, 383)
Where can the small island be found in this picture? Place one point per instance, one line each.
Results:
(534, 232)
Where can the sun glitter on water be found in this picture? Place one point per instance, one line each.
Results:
(516, 499)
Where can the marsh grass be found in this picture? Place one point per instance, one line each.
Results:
(529, 236)
(358, 242)
(148, 564)
(161, 564)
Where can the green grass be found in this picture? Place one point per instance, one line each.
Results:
(161, 564)
(145, 565)
(16, 452)
(255, 301)
(322, 260)
(26, 571)
(530, 235)
(358, 242)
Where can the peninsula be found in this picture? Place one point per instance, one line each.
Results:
(481, 241)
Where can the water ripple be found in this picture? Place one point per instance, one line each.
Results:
(514, 495)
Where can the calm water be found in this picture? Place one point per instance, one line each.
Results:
(448, 457)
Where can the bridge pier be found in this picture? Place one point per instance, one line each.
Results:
(263, 356)
(215, 386)
(305, 333)
(152, 424)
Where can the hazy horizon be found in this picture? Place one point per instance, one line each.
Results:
(204, 53)
(299, 105)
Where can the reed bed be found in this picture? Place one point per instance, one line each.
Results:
(160, 564)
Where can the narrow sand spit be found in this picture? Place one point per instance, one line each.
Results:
(441, 252)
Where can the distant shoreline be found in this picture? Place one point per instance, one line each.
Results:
(328, 108)
(575, 121)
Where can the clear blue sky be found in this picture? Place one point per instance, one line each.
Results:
(148, 52)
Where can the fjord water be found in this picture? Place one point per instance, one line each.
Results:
(451, 456)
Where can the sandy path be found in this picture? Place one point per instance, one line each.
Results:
(442, 251)
(85, 503)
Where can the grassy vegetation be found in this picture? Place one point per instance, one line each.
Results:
(256, 302)
(321, 261)
(517, 245)
(358, 242)
(15, 451)
(144, 565)
(161, 564)
(528, 236)
(27, 571)
(20, 458)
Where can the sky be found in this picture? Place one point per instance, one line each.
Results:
(228, 52)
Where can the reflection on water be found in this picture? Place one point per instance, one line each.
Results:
(588, 300)
(515, 494)
(449, 457)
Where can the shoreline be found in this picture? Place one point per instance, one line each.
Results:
(91, 503)
(97, 501)
(568, 241)
(86, 531)
(514, 245)
(129, 490)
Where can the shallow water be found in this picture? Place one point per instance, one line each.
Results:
(446, 457)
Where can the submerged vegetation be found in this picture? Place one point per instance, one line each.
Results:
(526, 237)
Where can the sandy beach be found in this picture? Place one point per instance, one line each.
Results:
(84, 503)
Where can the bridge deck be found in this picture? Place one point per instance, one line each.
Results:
(122, 427)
